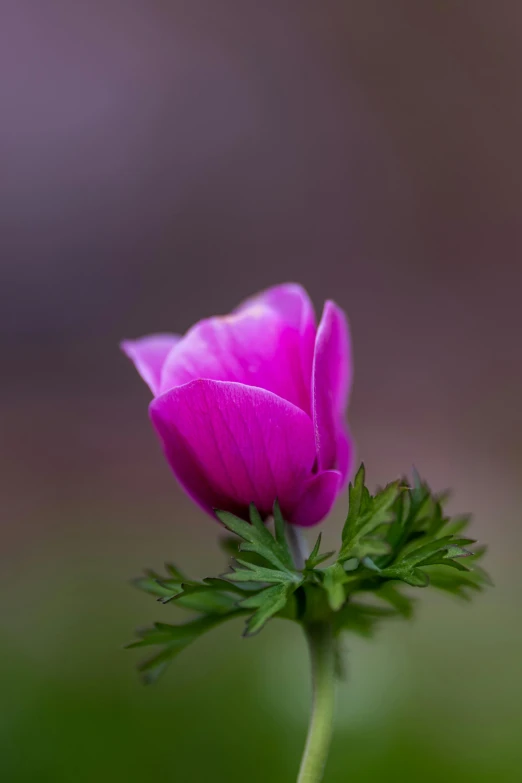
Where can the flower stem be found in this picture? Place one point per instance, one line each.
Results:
(322, 656)
(298, 546)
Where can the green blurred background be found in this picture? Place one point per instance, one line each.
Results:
(161, 161)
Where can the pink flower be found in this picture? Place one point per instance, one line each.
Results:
(251, 406)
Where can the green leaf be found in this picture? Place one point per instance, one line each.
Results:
(406, 573)
(355, 501)
(478, 572)
(253, 573)
(206, 598)
(231, 545)
(257, 538)
(268, 602)
(368, 515)
(152, 585)
(165, 633)
(218, 583)
(457, 524)
(442, 546)
(174, 639)
(175, 573)
(400, 535)
(416, 578)
(152, 668)
(280, 536)
(315, 551)
(315, 558)
(371, 546)
(460, 584)
(412, 512)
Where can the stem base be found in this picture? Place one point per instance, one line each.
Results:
(322, 656)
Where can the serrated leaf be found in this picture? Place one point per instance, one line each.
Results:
(257, 538)
(166, 633)
(455, 525)
(218, 583)
(314, 552)
(417, 484)
(175, 638)
(280, 537)
(152, 586)
(152, 668)
(436, 520)
(372, 546)
(478, 553)
(175, 573)
(416, 578)
(268, 602)
(355, 501)
(459, 584)
(482, 576)
(255, 518)
(400, 534)
(202, 597)
(323, 556)
(419, 554)
(376, 513)
(316, 558)
(406, 573)
(463, 542)
(208, 586)
(253, 573)
(397, 527)
(412, 513)
(205, 598)
(231, 545)
(447, 562)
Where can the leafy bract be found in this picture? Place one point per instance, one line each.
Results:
(398, 537)
(258, 539)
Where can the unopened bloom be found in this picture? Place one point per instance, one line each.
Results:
(250, 407)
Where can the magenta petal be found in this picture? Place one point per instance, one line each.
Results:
(317, 499)
(255, 346)
(230, 444)
(292, 302)
(331, 382)
(345, 454)
(149, 354)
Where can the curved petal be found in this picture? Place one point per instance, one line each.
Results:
(331, 381)
(292, 302)
(317, 499)
(230, 445)
(254, 346)
(149, 354)
(345, 454)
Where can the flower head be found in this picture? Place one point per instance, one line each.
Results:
(250, 407)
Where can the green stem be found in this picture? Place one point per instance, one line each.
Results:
(298, 546)
(322, 656)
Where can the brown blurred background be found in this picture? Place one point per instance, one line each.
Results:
(160, 161)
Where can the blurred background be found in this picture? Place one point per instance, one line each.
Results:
(159, 162)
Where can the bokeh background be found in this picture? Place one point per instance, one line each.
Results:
(159, 162)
